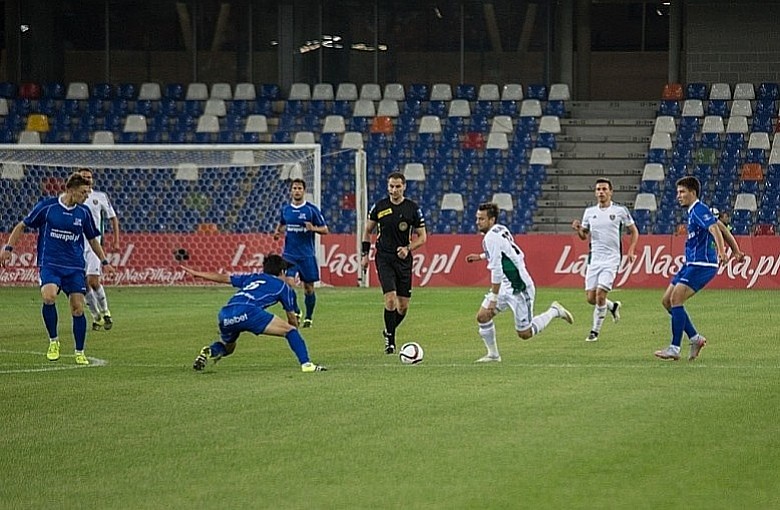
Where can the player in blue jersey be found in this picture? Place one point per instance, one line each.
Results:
(705, 251)
(63, 223)
(245, 311)
(300, 221)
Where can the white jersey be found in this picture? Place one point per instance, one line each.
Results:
(506, 261)
(606, 228)
(100, 207)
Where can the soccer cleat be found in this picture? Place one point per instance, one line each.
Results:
(97, 324)
(592, 337)
(107, 322)
(81, 359)
(202, 359)
(53, 353)
(487, 358)
(306, 323)
(389, 342)
(668, 354)
(615, 311)
(696, 347)
(311, 367)
(563, 313)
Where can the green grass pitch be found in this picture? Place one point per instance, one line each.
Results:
(560, 423)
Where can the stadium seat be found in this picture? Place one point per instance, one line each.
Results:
(8, 90)
(718, 107)
(512, 92)
(346, 92)
(503, 201)
(174, 91)
(394, 92)
(473, 140)
(693, 108)
(744, 91)
(245, 92)
(452, 202)
(745, 202)
(559, 92)
(459, 108)
(645, 201)
(441, 92)
(3, 107)
(77, 90)
(768, 90)
(352, 140)
(102, 91)
(388, 108)
(536, 91)
(135, 124)
(304, 137)
(669, 107)
(334, 124)
(29, 138)
(430, 124)
(207, 123)
(661, 141)
(672, 92)
(488, 92)
(29, 90)
(720, 92)
(531, 108)
(215, 107)
(541, 156)
(502, 124)
(221, 91)
(497, 140)
(737, 124)
(696, 91)
(414, 172)
(713, 124)
(53, 90)
(364, 108)
(322, 92)
(270, 91)
(37, 122)
(382, 124)
(752, 172)
(196, 92)
(149, 91)
(465, 91)
(741, 107)
(371, 92)
(299, 92)
(664, 124)
(653, 172)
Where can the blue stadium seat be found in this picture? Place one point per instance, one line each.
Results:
(669, 107)
(127, 91)
(555, 107)
(718, 107)
(54, 90)
(47, 106)
(546, 140)
(281, 137)
(656, 156)
(696, 91)
(484, 108)
(270, 91)
(710, 141)
(8, 90)
(769, 91)
(418, 91)
(508, 108)
(102, 91)
(755, 156)
(143, 107)
(762, 124)
(466, 91)
(689, 125)
(536, 91)
(118, 106)
(765, 108)
(174, 91)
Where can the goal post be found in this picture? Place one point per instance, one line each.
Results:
(216, 206)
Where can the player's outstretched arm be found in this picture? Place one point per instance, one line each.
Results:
(214, 277)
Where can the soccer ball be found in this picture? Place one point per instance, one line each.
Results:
(411, 353)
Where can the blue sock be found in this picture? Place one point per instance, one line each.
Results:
(298, 346)
(310, 300)
(49, 313)
(690, 330)
(679, 318)
(218, 349)
(80, 331)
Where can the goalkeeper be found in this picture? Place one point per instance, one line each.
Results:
(245, 311)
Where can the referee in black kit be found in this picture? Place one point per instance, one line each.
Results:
(396, 217)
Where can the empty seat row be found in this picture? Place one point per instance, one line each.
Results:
(720, 91)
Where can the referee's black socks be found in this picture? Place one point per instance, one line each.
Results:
(390, 322)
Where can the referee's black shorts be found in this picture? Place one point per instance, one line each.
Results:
(395, 274)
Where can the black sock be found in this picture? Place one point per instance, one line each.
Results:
(399, 318)
(390, 323)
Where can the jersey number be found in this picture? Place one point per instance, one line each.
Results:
(511, 241)
(255, 284)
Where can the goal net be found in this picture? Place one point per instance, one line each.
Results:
(214, 206)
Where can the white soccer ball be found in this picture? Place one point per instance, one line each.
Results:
(411, 353)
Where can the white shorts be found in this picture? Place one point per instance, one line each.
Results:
(522, 306)
(600, 276)
(94, 267)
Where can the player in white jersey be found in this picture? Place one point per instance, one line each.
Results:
(511, 287)
(604, 223)
(100, 207)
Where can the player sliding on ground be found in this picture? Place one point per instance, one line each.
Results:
(245, 311)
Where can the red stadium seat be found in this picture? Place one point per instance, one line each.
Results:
(473, 140)
(672, 92)
(382, 124)
(30, 91)
(752, 172)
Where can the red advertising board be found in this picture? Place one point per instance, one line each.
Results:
(553, 260)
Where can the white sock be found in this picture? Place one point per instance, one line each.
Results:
(92, 305)
(487, 331)
(599, 314)
(102, 302)
(542, 320)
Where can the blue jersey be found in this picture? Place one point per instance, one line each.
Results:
(61, 232)
(299, 242)
(700, 245)
(261, 290)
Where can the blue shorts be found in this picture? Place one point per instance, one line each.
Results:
(235, 319)
(69, 281)
(695, 277)
(307, 267)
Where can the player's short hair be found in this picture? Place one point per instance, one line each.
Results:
(605, 181)
(274, 264)
(298, 181)
(84, 169)
(397, 175)
(76, 180)
(690, 183)
(489, 207)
